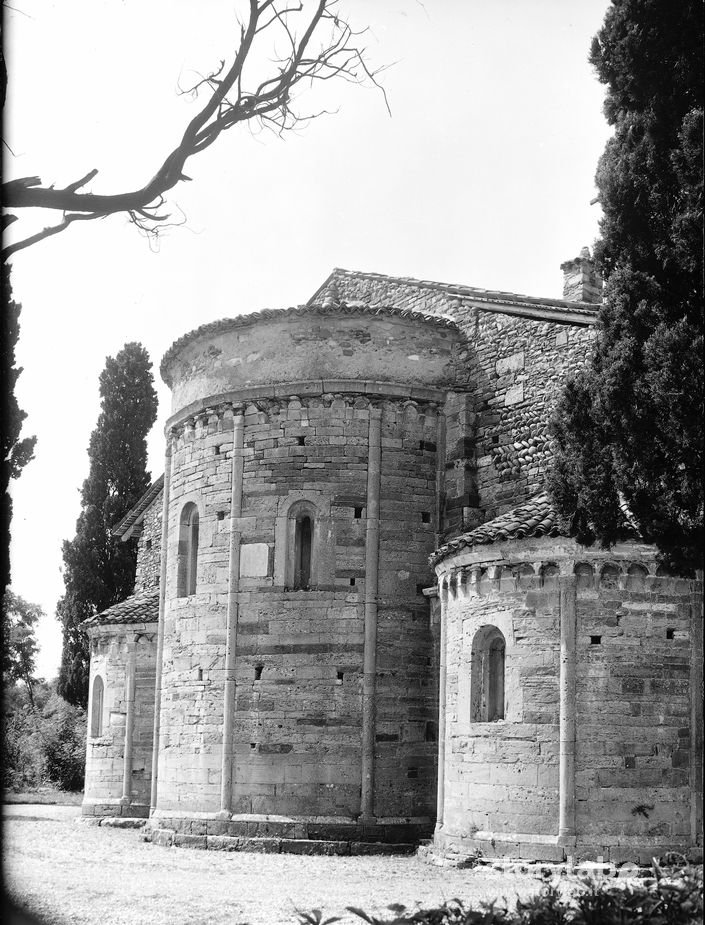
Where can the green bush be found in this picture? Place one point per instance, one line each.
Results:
(43, 740)
(673, 900)
(64, 735)
(23, 765)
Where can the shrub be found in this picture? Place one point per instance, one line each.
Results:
(64, 735)
(22, 753)
(673, 900)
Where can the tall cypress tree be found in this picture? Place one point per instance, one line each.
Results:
(99, 571)
(16, 451)
(628, 428)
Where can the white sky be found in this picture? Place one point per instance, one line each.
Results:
(482, 176)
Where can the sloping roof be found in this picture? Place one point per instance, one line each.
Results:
(140, 608)
(398, 291)
(328, 305)
(124, 529)
(535, 517)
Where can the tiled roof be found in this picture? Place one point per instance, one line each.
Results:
(123, 529)
(393, 291)
(536, 517)
(140, 608)
(328, 305)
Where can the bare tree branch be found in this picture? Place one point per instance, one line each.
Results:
(230, 103)
(11, 249)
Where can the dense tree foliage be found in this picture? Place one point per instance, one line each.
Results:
(19, 641)
(98, 570)
(16, 451)
(628, 428)
(43, 741)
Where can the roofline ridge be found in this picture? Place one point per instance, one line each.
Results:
(463, 290)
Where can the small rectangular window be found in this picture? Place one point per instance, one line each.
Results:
(670, 633)
(148, 545)
(426, 517)
(221, 515)
(412, 773)
(339, 676)
(358, 513)
(258, 672)
(595, 640)
(352, 582)
(301, 441)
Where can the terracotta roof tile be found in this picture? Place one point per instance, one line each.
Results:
(124, 527)
(535, 517)
(140, 608)
(389, 291)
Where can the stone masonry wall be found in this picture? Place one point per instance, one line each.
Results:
(299, 653)
(637, 778)
(149, 547)
(194, 627)
(513, 367)
(502, 777)
(634, 699)
(105, 765)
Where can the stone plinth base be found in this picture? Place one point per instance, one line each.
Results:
(267, 845)
(315, 835)
(117, 808)
(516, 847)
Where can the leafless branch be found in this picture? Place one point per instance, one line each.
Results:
(326, 49)
(11, 249)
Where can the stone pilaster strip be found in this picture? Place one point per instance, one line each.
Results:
(442, 675)
(229, 693)
(566, 771)
(129, 724)
(160, 629)
(371, 590)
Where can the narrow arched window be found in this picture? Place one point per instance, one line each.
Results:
(495, 680)
(188, 551)
(303, 535)
(487, 694)
(97, 707)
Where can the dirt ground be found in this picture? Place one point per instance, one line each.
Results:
(65, 871)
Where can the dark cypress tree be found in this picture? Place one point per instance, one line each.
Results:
(16, 452)
(98, 570)
(628, 429)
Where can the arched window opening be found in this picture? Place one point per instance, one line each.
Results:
(303, 535)
(97, 707)
(188, 551)
(487, 694)
(495, 681)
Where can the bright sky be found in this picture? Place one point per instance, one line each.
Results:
(483, 176)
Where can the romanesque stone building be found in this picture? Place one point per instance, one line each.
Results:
(356, 617)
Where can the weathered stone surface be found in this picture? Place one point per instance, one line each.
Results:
(123, 822)
(460, 411)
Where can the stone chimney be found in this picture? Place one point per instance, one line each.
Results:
(581, 282)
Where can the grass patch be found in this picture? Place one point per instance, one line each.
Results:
(73, 872)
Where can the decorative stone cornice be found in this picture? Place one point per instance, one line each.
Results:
(271, 400)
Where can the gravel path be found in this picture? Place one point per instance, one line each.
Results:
(70, 872)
